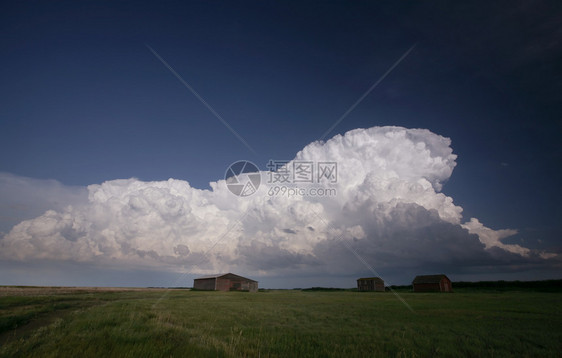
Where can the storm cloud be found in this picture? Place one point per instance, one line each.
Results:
(387, 206)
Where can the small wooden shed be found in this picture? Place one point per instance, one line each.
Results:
(370, 284)
(225, 282)
(432, 283)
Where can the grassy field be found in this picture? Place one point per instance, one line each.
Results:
(59, 322)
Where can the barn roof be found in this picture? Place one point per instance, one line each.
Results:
(230, 275)
(211, 276)
(378, 279)
(429, 278)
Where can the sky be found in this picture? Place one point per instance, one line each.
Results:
(119, 121)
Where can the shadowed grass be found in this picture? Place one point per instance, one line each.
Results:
(296, 323)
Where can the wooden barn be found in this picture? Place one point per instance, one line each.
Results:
(432, 283)
(370, 284)
(225, 282)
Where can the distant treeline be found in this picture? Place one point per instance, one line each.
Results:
(540, 286)
(545, 286)
(326, 289)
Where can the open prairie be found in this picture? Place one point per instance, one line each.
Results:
(97, 322)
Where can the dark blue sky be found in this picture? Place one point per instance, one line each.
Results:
(83, 100)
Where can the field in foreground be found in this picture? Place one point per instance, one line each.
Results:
(55, 322)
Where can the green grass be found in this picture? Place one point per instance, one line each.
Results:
(284, 323)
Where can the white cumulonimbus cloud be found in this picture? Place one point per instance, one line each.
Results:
(386, 206)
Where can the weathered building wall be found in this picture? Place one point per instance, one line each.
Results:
(370, 285)
(442, 286)
(445, 285)
(426, 287)
(233, 284)
(204, 284)
(251, 286)
(432, 283)
(223, 284)
(226, 282)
